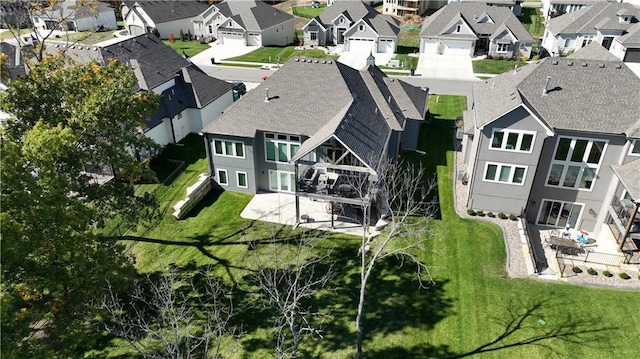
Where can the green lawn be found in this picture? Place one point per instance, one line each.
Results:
(308, 11)
(409, 38)
(280, 54)
(474, 309)
(532, 20)
(495, 66)
(191, 48)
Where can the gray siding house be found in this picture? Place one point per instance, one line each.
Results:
(554, 141)
(309, 121)
(356, 25)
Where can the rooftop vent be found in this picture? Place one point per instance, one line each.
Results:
(266, 96)
(329, 62)
(554, 62)
(570, 63)
(618, 66)
(316, 61)
(601, 66)
(296, 59)
(515, 69)
(324, 61)
(545, 90)
(584, 64)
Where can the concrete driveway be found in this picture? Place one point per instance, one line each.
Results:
(445, 66)
(220, 52)
(358, 60)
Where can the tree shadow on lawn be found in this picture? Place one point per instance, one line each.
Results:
(394, 302)
(525, 324)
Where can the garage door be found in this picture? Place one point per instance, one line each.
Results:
(430, 46)
(254, 39)
(632, 55)
(135, 30)
(361, 45)
(232, 38)
(457, 47)
(386, 45)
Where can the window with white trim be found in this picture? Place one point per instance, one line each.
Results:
(575, 163)
(223, 180)
(559, 213)
(503, 48)
(228, 148)
(280, 147)
(282, 181)
(510, 140)
(313, 36)
(210, 29)
(458, 28)
(360, 27)
(635, 148)
(586, 40)
(504, 173)
(241, 179)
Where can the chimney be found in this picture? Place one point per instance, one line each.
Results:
(266, 97)
(545, 90)
(371, 61)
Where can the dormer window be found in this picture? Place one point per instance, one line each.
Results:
(230, 23)
(341, 20)
(360, 27)
(458, 28)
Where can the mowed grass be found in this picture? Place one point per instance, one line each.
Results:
(308, 12)
(280, 54)
(532, 20)
(490, 66)
(473, 310)
(190, 48)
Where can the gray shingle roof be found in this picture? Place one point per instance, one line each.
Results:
(586, 94)
(169, 10)
(253, 15)
(594, 51)
(355, 10)
(632, 37)
(71, 9)
(437, 23)
(628, 175)
(319, 100)
(600, 16)
(205, 88)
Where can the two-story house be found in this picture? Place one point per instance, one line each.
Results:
(472, 28)
(555, 140)
(246, 23)
(553, 8)
(75, 15)
(310, 125)
(616, 26)
(400, 8)
(514, 5)
(356, 25)
(190, 99)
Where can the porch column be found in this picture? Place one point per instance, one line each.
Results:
(295, 171)
(632, 217)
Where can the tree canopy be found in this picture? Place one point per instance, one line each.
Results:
(68, 120)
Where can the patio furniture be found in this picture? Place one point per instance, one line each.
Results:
(562, 242)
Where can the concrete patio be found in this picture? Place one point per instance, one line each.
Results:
(445, 66)
(280, 208)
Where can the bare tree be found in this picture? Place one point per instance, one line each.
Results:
(288, 275)
(170, 317)
(404, 204)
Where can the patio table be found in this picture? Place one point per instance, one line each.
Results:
(563, 242)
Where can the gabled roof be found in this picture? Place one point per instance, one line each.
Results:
(628, 175)
(632, 37)
(592, 93)
(321, 99)
(168, 10)
(384, 25)
(253, 15)
(600, 16)
(437, 23)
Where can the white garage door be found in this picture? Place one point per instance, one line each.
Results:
(232, 38)
(254, 39)
(430, 46)
(385, 45)
(361, 45)
(457, 47)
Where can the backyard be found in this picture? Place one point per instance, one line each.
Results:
(275, 54)
(473, 308)
(491, 66)
(190, 48)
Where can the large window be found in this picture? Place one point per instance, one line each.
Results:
(503, 173)
(222, 177)
(575, 163)
(314, 36)
(282, 181)
(510, 140)
(635, 148)
(279, 147)
(559, 214)
(586, 40)
(228, 148)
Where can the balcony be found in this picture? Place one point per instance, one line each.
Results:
(622, 209)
